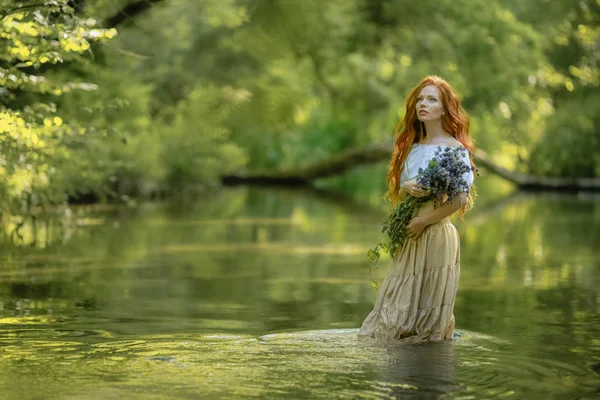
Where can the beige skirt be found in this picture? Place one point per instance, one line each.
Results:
(416, 299)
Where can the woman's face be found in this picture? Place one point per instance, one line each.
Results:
(429, 104)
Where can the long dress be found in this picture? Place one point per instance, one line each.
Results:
(415, 301)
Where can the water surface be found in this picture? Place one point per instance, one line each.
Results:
(259, 293)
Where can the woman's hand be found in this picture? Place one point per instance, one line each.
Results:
(415, 227)
(411, 187)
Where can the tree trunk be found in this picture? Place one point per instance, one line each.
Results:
(340, 163)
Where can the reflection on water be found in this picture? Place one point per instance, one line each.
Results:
(259, 293)
(303, 364)
(419, 372)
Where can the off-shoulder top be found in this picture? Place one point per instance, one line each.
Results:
(419, 157)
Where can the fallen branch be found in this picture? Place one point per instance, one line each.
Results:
(377, 152)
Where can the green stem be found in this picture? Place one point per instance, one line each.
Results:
(393, 233)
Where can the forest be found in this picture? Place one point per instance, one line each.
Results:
(123, 100)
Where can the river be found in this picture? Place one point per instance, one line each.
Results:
(259, 293)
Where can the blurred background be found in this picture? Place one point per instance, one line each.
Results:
(127, 253)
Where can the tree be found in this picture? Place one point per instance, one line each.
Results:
(39, 149)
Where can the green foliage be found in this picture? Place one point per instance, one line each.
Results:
(36, 144)
(197, 146)
(190, 90)
(569, 145)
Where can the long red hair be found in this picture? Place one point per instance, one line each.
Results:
(410, 130)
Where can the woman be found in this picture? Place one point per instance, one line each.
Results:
(416, 300)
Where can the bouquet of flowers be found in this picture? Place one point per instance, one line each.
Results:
(442, 177)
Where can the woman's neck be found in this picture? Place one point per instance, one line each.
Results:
(434, 131)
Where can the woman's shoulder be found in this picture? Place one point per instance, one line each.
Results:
(450, 141)
(446, 142)
(455, 143)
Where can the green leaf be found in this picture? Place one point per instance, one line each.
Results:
(374, 284)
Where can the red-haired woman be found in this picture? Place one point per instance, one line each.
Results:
(416, 300)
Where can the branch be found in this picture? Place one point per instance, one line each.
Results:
(125, 52)
(13, 10)
(129, 11)
(377, 152)
(335, 165)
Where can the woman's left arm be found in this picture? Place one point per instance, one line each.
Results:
(418, 224)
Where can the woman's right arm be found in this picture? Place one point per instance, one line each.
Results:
(411, 187)
(402, 192)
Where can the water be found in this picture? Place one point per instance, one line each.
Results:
(259, 293)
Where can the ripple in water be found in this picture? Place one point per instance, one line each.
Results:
(321, 364)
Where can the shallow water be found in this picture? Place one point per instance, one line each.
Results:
(258, 293)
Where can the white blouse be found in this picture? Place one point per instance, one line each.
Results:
(419, 157)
